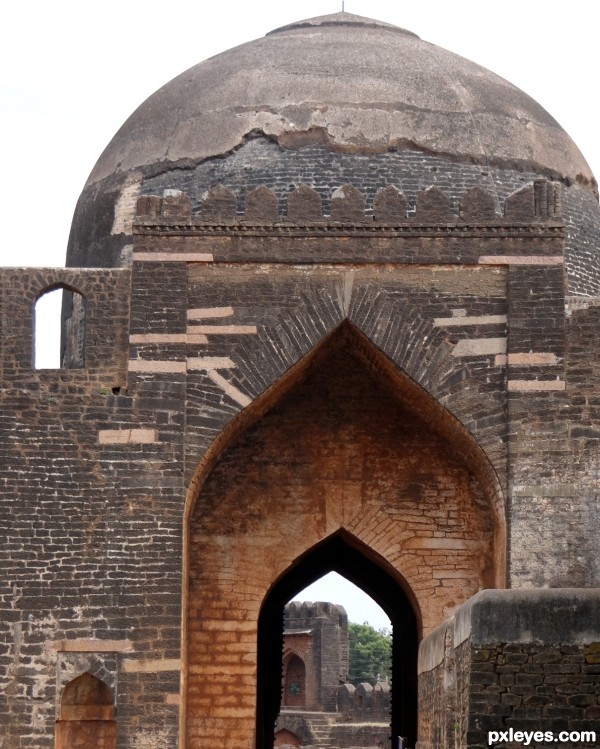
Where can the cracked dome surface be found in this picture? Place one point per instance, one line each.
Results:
(350, 83)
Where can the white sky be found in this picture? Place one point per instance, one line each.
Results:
(359, 606)
(71, 72)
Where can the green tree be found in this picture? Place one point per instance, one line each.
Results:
(370, 653)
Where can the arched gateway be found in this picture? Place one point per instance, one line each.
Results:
(347, 465)
(344, 554)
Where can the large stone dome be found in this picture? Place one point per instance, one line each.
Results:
(361, 83)
(341, 83)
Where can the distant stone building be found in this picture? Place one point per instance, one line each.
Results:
(315, 655)
(332, 301)
(319, 706)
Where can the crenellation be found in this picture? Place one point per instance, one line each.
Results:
(219, 206)
(433, 206)
(540, 200)
(389, 206)
(304, 205)
(176, 205)
(477, 205)
(261, 206)
(347, 205)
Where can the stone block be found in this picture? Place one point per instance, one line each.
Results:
(304, 205)
(348, 205)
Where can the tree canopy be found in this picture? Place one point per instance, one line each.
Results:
(370, 653)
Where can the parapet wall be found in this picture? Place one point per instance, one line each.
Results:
(522, 659)
(365, 703)
(299, 615)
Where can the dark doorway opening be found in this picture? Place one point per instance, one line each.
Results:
(347, 556)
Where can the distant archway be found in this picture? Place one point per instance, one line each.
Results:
(294, 682)
(359, 564)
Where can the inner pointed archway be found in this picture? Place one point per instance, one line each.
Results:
(356, 562)
(294, 688)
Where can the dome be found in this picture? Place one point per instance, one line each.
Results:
(347, 83)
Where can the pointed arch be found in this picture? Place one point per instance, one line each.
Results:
(86, 715)
(430, 410)
(345, 554)
(294, 680)
(344, 442)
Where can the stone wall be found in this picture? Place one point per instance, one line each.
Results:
(229, 376)
(520, 660)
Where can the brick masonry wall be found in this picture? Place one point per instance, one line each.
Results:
(555, 466)
(262, 162)
(91, 553)
(101, 466)
(488, 670)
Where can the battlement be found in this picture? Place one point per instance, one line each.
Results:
(537, 202)
(364, 702)
(307, 611)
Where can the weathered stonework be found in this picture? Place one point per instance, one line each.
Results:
(512, 660)
(387, 348)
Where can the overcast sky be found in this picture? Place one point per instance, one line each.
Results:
(72, 72)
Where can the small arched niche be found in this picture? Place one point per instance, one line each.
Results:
(294, 681)
(284, 737)
(59, 329)
(86, 717)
